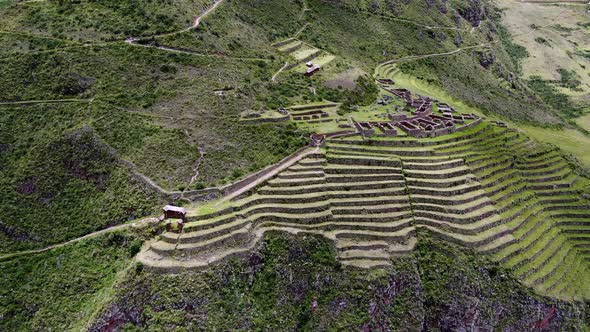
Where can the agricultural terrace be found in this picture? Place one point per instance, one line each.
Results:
(409, 162)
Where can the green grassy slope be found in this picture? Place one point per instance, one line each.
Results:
(365, 34)
(60, 290)
(59, 180)
(90, 20)
(294, 283)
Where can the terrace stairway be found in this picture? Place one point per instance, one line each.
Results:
(488, 188)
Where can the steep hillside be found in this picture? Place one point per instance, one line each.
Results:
(105, 20)
(344, 165)
(59, 180)
(486, 187)
(61, 289)
(296, 283)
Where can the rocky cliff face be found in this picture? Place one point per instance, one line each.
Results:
(295, 283)
(472, 11)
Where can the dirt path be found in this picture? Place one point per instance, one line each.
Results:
(274, 77)
(197, 165)
(175, 50)
(85, 237)
(305, 9)
(405, 20)
(49, 101)
(418, 57)
(133, 40)
(280, 167)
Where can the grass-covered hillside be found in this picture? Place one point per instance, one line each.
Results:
(484, 71)
(59, 180)
(295, 283)
(62, 289)
(88, 20)
(108, 106)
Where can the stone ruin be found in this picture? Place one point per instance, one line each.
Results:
(423, 122)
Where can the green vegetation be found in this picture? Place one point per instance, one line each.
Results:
(364, 94)
(516, 52)
(100, 115)
(59, 180)
(61, 289)
(550, 95)
(89, 20)
(569, 79)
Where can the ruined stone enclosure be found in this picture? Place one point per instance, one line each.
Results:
(488, 188)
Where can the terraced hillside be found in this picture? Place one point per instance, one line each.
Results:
(489, 188)
(302, 52)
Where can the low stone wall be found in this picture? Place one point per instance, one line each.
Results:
(313, 107)
(256, 176)
(293, 49)
(344, 133)
(265, 120)
(284, 42)
(209, 194)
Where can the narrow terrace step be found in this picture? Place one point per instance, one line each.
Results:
(309, 162)
(373, 218)
(233, 239)
(446, 192)
(301, 174)
(279, 182)
(482, 211)
(481, 202)
(371, 201)
(461, 170)
(452, 200)
(398, 151)
(439, 183)
(543, 163)
(440, 166)
(326, 227)
(367, 264)
(341, 159)
(331, 187)
(345, 178)
(403, 248)
(566, 182)
(344, 244)
(199, 235)
(369, 170)
(459, 227)
(550, 177)
(399, 236)
(470, 241)
(360, 254)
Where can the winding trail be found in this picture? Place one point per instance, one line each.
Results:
(85, 237)
(48, 101)
(419, 57)
(175, 50)
(197, 165)
(133, 40)
(274, 77)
